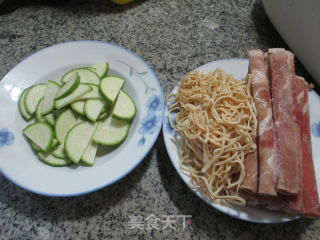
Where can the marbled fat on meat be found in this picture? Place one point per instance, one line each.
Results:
(261, 97)
(283, 111)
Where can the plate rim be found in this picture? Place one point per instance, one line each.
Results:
(181, 175)
(152, 142)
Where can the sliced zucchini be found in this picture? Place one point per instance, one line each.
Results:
(103, 115)
(64, 123)
(86, 75)
(55, 144)
(105, 112)
(110, 87)
(50, 118)
(51, 160)
(41, 134)
(78, 139)
(22, 107)
(59, 151)
(33, 96)
(70, 86)
(124, 108)
(101, 69)
(57, 112)
(35, 146)
(38, 114)
(90, 152)
(74, 96)
(112, 132)
(93, 94)
(78, 106)
(93, 108)
(48, 99)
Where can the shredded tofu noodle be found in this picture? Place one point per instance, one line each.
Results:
(216, 119)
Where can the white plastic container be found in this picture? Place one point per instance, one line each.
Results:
(298, 22)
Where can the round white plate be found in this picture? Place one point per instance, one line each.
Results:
(239, 68)
(17, 161)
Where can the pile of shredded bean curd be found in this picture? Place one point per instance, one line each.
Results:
(216, 119)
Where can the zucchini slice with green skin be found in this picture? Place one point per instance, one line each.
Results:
(74, 96)
(22, 108)
(48, 99)
(41, 134)
(69, 86)
(93, 94)
(64, 123)
(51, 160)
(35, 146)
(57, 112)
(101, 69)
(110, 87)
(50, 118)
(112, 132)
(38, 114)
(59, 151)
(93, 108)
(90, 152)
(55, 144)
(103, 115)
(105, 112)
(78, 139)
(86, 75)
(33, 96)
(124, 108)
(78, 106)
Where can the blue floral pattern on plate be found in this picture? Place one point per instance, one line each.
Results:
(148, 124)
(150, 121)
(6, 137)
(153, 104)
(168, 127)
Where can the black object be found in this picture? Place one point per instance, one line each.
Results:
(8, 5)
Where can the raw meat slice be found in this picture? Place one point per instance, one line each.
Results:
(261, 96)
(283, 111)
(310, 197)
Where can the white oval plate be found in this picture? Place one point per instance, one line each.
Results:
(17, 161)
(239, 68)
